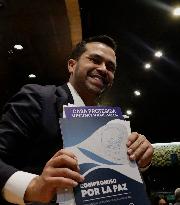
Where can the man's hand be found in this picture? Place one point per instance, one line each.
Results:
(139, 149)
(61, 171)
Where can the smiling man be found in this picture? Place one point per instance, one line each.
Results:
(93, 72)
(33, 163)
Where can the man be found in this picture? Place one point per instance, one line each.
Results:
(33, 163)
(177, 196)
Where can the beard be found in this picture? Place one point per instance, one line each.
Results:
(90, 83)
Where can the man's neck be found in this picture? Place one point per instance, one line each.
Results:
(88, 98)
(89, 102)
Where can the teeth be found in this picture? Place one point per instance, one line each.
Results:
(98, 77)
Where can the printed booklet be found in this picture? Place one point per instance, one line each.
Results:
(98, 136)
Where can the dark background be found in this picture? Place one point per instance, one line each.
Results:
(139, 28)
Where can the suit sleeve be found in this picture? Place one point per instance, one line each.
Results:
(21, 115)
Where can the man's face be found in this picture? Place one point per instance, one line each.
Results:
(94, 71)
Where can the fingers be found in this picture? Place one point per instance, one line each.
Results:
(65, 152)
(64, 160)
(139, 149)
(61, 171)
(64, 183)
(146, 159)
(135, 140)
(62, 177)
(63, 164)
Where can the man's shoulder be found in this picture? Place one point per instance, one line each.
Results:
(44, 90)
(38, 88)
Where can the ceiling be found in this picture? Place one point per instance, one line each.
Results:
(139, 28)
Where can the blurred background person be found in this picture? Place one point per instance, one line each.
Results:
(160, 200)
(177, 196)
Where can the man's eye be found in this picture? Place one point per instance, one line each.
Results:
(111, 68)
(94, 60)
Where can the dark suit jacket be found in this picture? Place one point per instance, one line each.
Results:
(29, 129)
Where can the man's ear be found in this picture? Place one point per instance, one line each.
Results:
(71, 65)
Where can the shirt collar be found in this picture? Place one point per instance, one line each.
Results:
(77, 99)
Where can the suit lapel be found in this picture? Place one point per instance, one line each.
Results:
(63, 98)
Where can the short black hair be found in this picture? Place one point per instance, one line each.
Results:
(80, 48)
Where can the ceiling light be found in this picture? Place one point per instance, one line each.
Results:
(18, 47)
(176, 11)
(1, 3)
(147, 66)
(137, 93)
(10, 52)
(158, 54)
(129, 112)
(31, 76)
